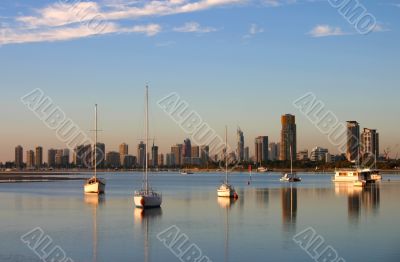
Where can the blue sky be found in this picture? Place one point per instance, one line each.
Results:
(240, 63)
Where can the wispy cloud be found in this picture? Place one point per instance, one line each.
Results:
(326, 30)
(253, 30)
(67, 20)
(275, 3)
(194, 27)
(69, 33)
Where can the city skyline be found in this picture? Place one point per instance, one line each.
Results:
(237, 72)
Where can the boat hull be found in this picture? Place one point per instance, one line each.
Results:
(226, 190)
(95, 188)
(142, 201)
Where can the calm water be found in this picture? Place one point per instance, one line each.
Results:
(361, 224)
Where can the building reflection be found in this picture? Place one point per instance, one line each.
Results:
(262, 197)
(289, 208)
(94, 201)
(359, 199)
(144, 217)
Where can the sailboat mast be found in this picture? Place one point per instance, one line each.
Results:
(226, 154)
(95, 140)
(147, 141)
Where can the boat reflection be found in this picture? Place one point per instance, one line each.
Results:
(227, 204)
(94, 200)
(359, 199)
(144, 217)
(289, 208)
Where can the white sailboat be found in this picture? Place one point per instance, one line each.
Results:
(146, 197)
(226, 190)
(291, 177)
(95, 185)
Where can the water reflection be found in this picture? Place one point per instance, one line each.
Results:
(227, 204)
(359, 199)
(289, 208)
(94, 201)
(145, 217)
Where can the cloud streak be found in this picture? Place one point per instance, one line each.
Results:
(67, 20)
(326, 30)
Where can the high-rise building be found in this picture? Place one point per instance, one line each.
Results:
(205, 154)
(303, 155)
(82, 157)
(51, 158)
(195, 152)
(177, 152)
(113, 159)
(353, 141)
(154, 156)
(170, 160)
(128, 161)
(123, 149)
(100, 155)
(288, 137)
(19, 157)
(66, 158)
(141, 154)
(58, 158)
(274, 149)
(187, 151)
(261, 149)
(370, 142)
(30, 159)
(240, 145)
(318, 154)
(38, 157)
(246, 156)
(161, 160)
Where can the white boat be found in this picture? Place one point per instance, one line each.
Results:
(226, 190)
(353, 175)
(262, 170)
(290, 177)
(186, 172)
(95, 185)
(146, 197)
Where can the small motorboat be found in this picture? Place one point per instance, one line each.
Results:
(290, 177)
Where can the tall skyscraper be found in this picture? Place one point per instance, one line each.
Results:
(274, 149)
(205, 154)
(195, 152)
(19, 157)
(123, 151)
(240, 145)
(113, 159)
(261, 149)
(177, 152)
(82, 157)
(353, 141)
(141, 154)
(59, 154)
(161, 160)
(187, 151)
(154, 156)
(246, 154)
(51, 158)
(170, 160)
(370, 142)
(39, 157)
(101, 155)
(288, 137)
(30, 159)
